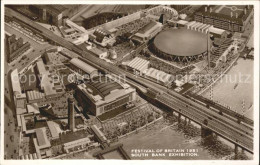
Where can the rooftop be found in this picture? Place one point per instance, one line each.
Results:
(83, 66)
(72, 136)
(53, 130)
(57, 9)
(104, 86)
(216, 30)
(224, 12)
(42, 137)
(104, 89)
(34, 95)
(96, 50)
(147, 27)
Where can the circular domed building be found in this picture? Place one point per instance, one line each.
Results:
(180, 45)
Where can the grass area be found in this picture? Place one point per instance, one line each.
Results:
(113, 113)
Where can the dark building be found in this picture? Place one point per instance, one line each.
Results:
(162, 19)
(231, 18)
(15, 47)
(52, 14)
(71, 113)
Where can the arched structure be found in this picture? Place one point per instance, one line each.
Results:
(166, 9)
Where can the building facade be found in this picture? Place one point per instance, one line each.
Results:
(15, 47)
(52, 14)
(228, 17)
(101, 96)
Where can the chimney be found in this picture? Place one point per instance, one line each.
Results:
(206, 8)
(245, 10)
(231, 14)
(71, 113)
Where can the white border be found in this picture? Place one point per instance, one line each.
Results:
(119, 162)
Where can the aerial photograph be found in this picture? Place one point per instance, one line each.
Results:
(130, 82)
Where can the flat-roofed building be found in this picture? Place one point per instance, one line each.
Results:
(16, 86)
(147, 32)
(52, 127)
(101, 54)
(219, 33)
(47, 81)
(34, 96)
(101, 137)
(82, 67)
(19, 97)
(77, 144)
(104, 94)
(180, 23)
(33, 108)
(42, 139)
(42, 143)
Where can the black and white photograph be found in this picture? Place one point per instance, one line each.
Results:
(130, 81)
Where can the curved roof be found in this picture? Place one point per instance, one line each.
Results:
(83, 66)
(103, 86)
(181, 42)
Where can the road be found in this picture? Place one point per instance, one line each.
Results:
(36, 50)
(239, 137)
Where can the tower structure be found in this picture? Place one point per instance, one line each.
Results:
(71, 113)
(208, 48)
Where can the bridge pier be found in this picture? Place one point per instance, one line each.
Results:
(185, 122)
(236, 151)
(179, 118)
(189, 121)
(205, 132)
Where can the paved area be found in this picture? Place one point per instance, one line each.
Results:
(37, 50)
(11, 137)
